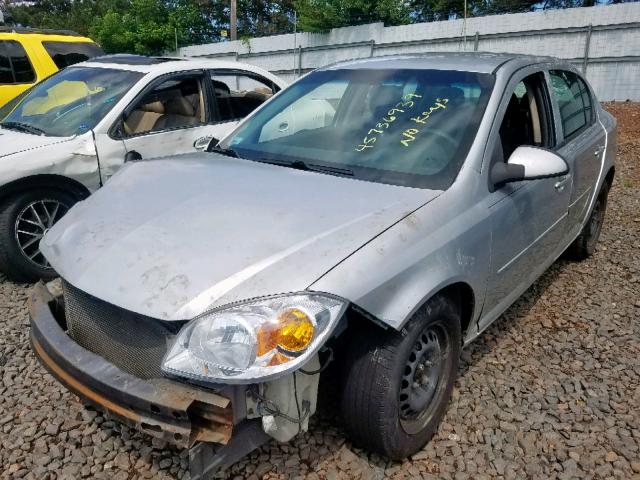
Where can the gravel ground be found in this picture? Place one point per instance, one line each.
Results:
(552, 390)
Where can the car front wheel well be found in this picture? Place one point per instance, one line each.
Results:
(609, 177)
(34, 182)
(462, 295)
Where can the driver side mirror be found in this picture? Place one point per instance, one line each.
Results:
(528, 163)
(211, 146)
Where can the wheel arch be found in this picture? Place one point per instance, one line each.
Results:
(459, 292)
(58, 182)
(610, 175)
(463, 295)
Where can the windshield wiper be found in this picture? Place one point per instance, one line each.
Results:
(328, 169)
(311, 167)
(22, 127)
(229, 152)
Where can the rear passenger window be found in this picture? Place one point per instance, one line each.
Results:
(6, 72)
(238, 95)
(574, 101)
(15, 67)
(64, 54)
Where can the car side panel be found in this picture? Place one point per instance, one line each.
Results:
(610, 128)
(174, 142)
(444, 242)
(584, 152)
(74, 158)
(529, 220)
(42, 63)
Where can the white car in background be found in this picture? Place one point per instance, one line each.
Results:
(62, 139)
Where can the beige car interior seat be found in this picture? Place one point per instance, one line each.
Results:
(179, 112)
(145, 118)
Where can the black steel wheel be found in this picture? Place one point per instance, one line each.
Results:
(398, 384)
(422, 380)
(24, 220)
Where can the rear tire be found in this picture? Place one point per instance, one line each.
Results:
(585, 244)
(24, 218)
(398, 384)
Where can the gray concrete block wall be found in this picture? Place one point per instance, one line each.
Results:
(613, 66)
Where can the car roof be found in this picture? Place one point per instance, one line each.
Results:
(14, 33)
(479, 62)
(161, 65)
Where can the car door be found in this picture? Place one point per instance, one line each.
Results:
(528, 218)
(582, 139)
(171, 116)
(237, 94)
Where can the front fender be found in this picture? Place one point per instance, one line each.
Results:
(75, 159)
(430, 249)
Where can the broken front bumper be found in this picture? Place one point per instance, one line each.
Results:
(185, 415)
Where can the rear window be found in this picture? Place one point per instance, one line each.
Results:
(15, 67)
(64, 54)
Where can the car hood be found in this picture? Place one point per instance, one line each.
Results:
(173, 238)
(12, 142)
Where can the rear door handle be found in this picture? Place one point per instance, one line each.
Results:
(599, 150)
(562, 183)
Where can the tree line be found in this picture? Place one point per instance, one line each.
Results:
(154, 26)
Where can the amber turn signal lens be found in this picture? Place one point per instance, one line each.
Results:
(278, 359)
(267, 336)
(292, 332)
(296, 330)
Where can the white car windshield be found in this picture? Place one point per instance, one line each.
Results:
(410, 127)
(68, 103)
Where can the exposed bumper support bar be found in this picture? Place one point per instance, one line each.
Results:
(179, 413)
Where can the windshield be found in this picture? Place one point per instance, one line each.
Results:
(403, 127)
(68, 103)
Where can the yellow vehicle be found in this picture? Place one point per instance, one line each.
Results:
(28, 56)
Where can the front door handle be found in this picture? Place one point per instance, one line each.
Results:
(562, 183)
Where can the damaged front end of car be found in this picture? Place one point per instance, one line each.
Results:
(221, 384)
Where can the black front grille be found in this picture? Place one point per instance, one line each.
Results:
(134, 343)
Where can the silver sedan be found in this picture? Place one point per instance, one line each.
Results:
(361, 227)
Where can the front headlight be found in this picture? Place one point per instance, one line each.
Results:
(256, 340)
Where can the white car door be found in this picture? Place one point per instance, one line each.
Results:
(237, 94)
(171, 116)
(181, 113)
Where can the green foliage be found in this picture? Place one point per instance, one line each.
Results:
(149, 27)
(133, 26)
(257, 18)
(77, 15)
(323, 15)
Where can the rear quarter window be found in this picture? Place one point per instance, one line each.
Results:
(65, 54)
(15, 67)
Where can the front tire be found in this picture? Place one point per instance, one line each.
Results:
(585, 245)
(399, 383)
(24, 219)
